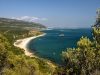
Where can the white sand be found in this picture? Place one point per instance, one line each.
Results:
(22, 43)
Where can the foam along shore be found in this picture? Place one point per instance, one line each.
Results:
(23, 43)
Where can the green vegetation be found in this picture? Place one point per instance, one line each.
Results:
(18, 64)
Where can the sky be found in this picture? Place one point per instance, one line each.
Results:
(52, 13)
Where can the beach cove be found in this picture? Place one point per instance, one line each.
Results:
(50, 44)
(23, 43)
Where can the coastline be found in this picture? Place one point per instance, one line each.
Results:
(22, 43)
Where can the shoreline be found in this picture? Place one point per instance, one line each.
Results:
(23, 43)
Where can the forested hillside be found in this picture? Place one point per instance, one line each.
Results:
(16, 24)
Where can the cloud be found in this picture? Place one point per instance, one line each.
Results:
(30, 19)
(44, 19)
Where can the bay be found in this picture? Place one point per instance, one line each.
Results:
(55, 41)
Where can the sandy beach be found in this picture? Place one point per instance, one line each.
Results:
(22, 43)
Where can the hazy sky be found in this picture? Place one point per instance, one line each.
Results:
(56, 13)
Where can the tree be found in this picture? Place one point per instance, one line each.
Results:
(83, 60)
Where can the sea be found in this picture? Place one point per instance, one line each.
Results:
(56, 41)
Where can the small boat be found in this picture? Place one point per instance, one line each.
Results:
(39, 39)
(54, 53)
(61, 35)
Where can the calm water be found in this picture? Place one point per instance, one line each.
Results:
(52, 44)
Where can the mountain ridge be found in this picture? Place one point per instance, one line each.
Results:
(13, 23)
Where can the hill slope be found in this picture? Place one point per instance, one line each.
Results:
(12, 23)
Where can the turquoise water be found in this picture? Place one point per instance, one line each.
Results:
(55, 41)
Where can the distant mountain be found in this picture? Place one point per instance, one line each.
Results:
(13, 23)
